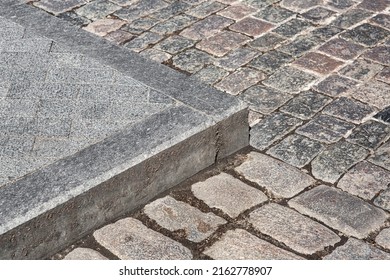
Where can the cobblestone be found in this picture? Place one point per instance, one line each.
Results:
(296, 231)
(206, 27)
(279, 178)
(240, 80)
(205, 9)
(266, 42)
(384, 75)
(84, 254)
(140, 9)
(384, 115)
(176, 215)
(292, 27)
(365, 180)
(251, 26)
(237, 11)
(74, 18)
(340, 210)
(335, 160)
(370, 134)
(361, 70)
(236, 58)
(119, 36)
(143, 41)
(351, 18)
(175, 44)
(173, 9)
(382, 156)
(335, 85)
(191, 60)
(382, 20)
(271, 129)
(366, 34)
(174, 24)
(156, 55)
(298, 47)
(301, 5)
(274, 14)
(211, 74)
(228, 194)
(141, 25)
(373, 93)
(340, 4)
(383, 238)
(379, 54)
(129, 239)
(270, 61)
(296, 150)
(317, 62)
(97, 9)
(318, 15)
(341, 49)
(239, 244)
(383, 200)
(357, 250)
(376, 6)
(104, 26)
(59, 6)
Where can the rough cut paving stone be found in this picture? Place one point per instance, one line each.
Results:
(240, 80)
(205, 9)
(176, 215)
(324, 33)
(140, 25)
(59, 6)
(361, 70)
(383, 239)
(143, 41)
(239, 244)
(129, 239)
(293, 229)
(259, 4)
(357, 250)
(335, 85)
(222, 43)
(270, 61)
(74, 18)
(318, 62)
(84, 254)
(318, 15)
(365, 180)
(350, 18)
(211, 74)
(191, 60)
(119, 36)
(296, 150)
(348, 109)
(325, 129)
(290, 80)
(228, 194)
(251, 26)
(266, 42)
(292, 27)
(384, 75)
(341, 4)
(175, 44)
(97, 9)
(340, 210)
(366, 34)
(236, 58)
(383, 200)
(237, 11)
(279, 178)
(271, 129)
(173, 9)
(263, 99)
(274, 14)
(370, 134)
(174, 24)
(140, 9)
(335, 160)
(206, 27)
(306, 104)
(102, 27)
(376, 6)
(379, 54)
(384, 115)
(382, 20)
(156, 55)
(341, 48)
(300, 5)
(382, 156)
(299, 46)
(374, 93)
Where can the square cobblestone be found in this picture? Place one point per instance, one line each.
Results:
(206, 27)
(251, 26)
(300, 5)
(383, 200)
(298, 232)
(74, 18)
(383, 238)
(191, 60)
(281, 179)
(341, 48)
(259, 4)
(298, 47)
(222, 191)
(97, 9)
(382, 20)
(324, 33)
(129, 239)
(240, 80)
(270, 61)
(366, 34)
(292, 27)
(326, 129)
(174, 24)
(351, 18)
(340, 210)
(84, 254)
(271, 129)
(384, 75)
(370, 134)
(211, 74)
(119, 36)
(173, 9)
(102, 27)
(376, 6)
(237, 11)
(264, 100)
(341, 4)
(357, 250)
(156, 55)
(318, 62)
(306, 104)
(205, 9)
(384, 115)
(296, 150)
(140, 9)
(175, 44)
(381, 156)
(239, 244)
(379, 54)
(223, 42)
(365, 180)
(361, 70)
(59, 6)
(274, 14)
(336, 159)
(290, 80)
(335, 85)
(143, 41)
(318, 15)
(176, 215)
(374, 93)
(236, 58)
(266, 42)
(140, 25)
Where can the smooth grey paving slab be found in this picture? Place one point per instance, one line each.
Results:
(129, 122)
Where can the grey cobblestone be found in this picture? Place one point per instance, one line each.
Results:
(384, 115)
(340, 210)
(237, 58)
(270, 61)
(240, 80)
(140, 8)
(366, 34)
(361, 70)
(191, 60)
(383, 238)
(373, 93)
(211, 74)
(143, 41)
(351, 18)
(274, 14)
(206, 27)
(383, 200)
(173, 9)
(335, 85)
(382, 156)
(279, 178)
(300, 5)
(59, 6)
(266, 42)
(370, 134)
(97, 9)
(292, 27)
(175, 44)
(205, 9)
(84, 254)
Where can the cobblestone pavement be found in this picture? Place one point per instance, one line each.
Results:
(315, 73)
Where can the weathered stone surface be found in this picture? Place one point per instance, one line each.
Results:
(274, 14)
(270, 61)
(129, 239)
(240, 80)
(251, 26)
(335, 85)
(59, 6)
(97, 9)
(173, 9)
(382, 20)
(205, 9)
(239, 244)
(300, 5)
(383, 238)
(175, 44)
(365, 180)
(374, 93)
(318, 15)
(296, 150)
(176, 215)
(211, 74)
(384, 75)
(84, 254)
(228, 194)
(335, 160)
(174, 24)
(119, 36)
(290, 80)
(143, 41)
(379, 54)
(351, 18)
(140, 9)
(266, 42)
(74, 18)
(340, 4)
(191, 60)
(361, 69)
(340, 211)
(325, 129)
(140, 25)
(156, 55)
(370, 134)
(298, 46)
(292, 27)
(264, 99)
(236, 58)
(376, 6)
(102, 27)
(384, 115)
(366, 34)
(271, 129)
(318, 62)
(279, 178)
(293, 229)
(306, 104)
(341, 48)
(237, 11)
(206, 27)
(258, 4)
(324, 33)
(382, 156)
(383, 200)
(357, 250)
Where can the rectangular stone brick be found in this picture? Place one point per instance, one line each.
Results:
(384, 75)
(206, 27)
(251, 26)
(300, 5)
(317, 62)
(292, 27)
(383, 238)
(174, 24)
(270, 61)
(376, 6)
(102, 27)
(205, 9)
(374, 93)
(211, 74)
(274, 14)
(59, 6)
(191, 60)
(350, 18)
(279, 178)
(361, 69)
(339, 210)
(140, 9)
(379, 54)
(370, 134)
(381, 156)
(341, 48)
(237, 11)
(97, 9)
(175, 44)
(236, 58)
(335, 85)
(267, 42)
(298, 46)
(173, 9)
(366, 34)
(240, 80)
(143, 41)
(383, 200)
(319, 15)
